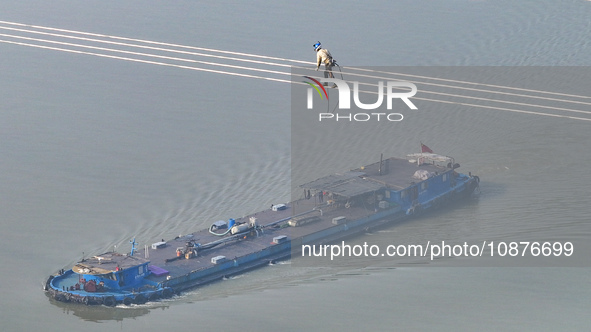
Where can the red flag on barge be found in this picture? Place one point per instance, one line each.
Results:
(425, 149)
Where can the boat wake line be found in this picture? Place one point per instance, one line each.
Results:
(277, 69)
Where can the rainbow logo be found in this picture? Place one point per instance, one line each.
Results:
(315, 87)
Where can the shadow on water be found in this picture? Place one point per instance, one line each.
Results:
(100, 313)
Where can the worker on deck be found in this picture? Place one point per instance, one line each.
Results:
(323, 56)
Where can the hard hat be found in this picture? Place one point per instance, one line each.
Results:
(317, 46)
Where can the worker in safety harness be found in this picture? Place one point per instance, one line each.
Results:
(323, 56)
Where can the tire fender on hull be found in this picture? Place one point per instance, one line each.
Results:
(110, 301)
(140, 299)
(167, 292)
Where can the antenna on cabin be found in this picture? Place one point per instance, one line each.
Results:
(133, 243)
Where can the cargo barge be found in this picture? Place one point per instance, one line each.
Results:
(331, 208)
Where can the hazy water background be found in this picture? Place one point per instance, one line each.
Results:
(96, 151)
